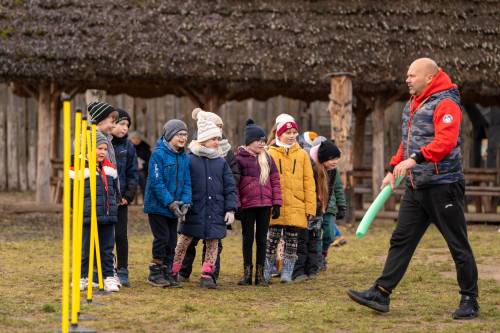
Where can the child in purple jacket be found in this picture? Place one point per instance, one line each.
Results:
(259, 197)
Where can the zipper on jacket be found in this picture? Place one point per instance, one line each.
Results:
(281, 170)
(294, 163)
(408, 136)
(176, 175)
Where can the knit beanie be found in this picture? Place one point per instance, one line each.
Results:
(198, 114)
(253, 132)
(283, 118)
(283, 127)
(308, 137)
(318, 140)
(123, 115)
(100, 138)
(172, 127)
(327, 151)
(98, 111)
(207, 130)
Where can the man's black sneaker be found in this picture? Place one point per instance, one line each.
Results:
(468, 308)
(372, 298)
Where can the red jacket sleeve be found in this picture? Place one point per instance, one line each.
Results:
(447, 119)
(396, 159)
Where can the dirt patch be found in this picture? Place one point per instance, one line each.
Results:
(487, 271)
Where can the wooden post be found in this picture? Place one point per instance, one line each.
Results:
(359, 145)
(3, 136)
(55, 110)
(43, 146)
(378, 160)
(13, 106)
(340, 108)
(32, 136)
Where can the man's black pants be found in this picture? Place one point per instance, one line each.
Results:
(442, 205)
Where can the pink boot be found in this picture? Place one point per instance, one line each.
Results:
(207, 279)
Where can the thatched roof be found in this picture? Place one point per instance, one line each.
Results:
(247, 48)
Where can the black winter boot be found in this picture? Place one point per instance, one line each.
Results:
(373, 298)
(468, 308)
(259, 276)
(171, 279)
(246, 280)
(156, 277)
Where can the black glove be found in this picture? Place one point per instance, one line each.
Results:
(237, 214)
(275, 212)
(341, 213)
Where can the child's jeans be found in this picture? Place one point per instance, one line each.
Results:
(106, 245)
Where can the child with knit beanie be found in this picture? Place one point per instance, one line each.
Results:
(107, 212)
(167, 199)
(298, 196)
(104, 116)
(214, 201)
(126, 162)
(227, 153)
(258, 192)
(326, 155)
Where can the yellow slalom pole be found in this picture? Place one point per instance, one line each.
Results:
(81, 203)
(75, 292)
(66, 215)
(96, 231)
(93, 215)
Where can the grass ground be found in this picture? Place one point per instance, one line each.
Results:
(30, 276)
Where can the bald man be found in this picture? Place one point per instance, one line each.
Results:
(429, 155)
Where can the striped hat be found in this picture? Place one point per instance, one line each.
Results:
(98, 111)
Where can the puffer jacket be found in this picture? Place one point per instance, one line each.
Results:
(106, 191)
(169, 180)
(298, 189)
(214, 194)
(126, 161)
(336, 192)
(250, 192)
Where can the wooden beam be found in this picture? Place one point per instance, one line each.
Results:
(43, 145)
(3, 136)
(378, 159)
(340, 108)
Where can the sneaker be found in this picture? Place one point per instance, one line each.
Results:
(110, 284)
(117, 280)
(84, 282)
(300, 278)
(123, 277)
(372, 298)
(339, 241)
(468, 308)
(182, 278)
(156, 277)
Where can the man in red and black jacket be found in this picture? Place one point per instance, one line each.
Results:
(429, 155)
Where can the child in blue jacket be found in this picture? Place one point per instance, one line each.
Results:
(126, 161)
(167, 198)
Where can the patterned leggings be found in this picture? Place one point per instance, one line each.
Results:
(291, 237)
(183, 241)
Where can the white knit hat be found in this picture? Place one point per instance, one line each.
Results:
(207, 130)
(284, 118)
(198, 114)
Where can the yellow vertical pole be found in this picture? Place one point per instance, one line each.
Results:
(96, 232)
(81, 203)
(66, 215)
(75, 292)
(93, 215)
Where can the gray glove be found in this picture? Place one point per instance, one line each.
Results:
(184, 209)
(175, 208)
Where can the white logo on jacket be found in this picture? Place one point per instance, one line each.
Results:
(447, 118)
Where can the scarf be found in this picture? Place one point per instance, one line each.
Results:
(281, 144)
(203, 151)
(224, 147)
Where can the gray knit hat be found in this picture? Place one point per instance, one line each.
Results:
(172, 127)
(100, 138)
